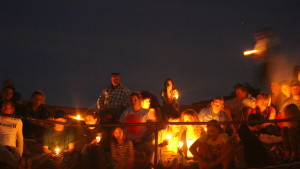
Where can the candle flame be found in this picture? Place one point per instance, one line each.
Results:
(169, 136)
(205, 129)
(180, 144)
(77, 117)
(249, 52)
(98, 138)
(175, 94)
(57, 150)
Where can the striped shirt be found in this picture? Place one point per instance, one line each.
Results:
(122, 152)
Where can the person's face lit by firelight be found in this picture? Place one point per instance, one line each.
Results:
(118, 134)
(115, 80)
(135, 102)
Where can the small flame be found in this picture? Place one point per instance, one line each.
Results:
(57, 150)
(169, 136)
(205, 129)
(78, 117)
(175, 94)
(249, 52)
(180, 144)
(98, 138)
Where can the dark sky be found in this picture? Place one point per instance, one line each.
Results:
(69, 48)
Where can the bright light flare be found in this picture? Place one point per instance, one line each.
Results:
(250, 52)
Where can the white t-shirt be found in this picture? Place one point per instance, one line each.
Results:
(11, 132)
(142, 116)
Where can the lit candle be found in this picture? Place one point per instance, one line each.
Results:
(169, 136)
(176, 95)
(98, 137)
(77, 117)
(57, 150)
(205, 129)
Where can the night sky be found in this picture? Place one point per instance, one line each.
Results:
(69, 49)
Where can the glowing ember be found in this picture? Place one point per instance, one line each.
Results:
(249, 52)
(57, 150)
(180, 144)
(169, 136)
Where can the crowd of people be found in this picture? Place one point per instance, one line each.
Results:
(33, 137)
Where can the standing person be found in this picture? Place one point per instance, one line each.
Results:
(266, 53)
(122, 151)
(113, 100)
(169, 96)
(11, 137)
(213, 149)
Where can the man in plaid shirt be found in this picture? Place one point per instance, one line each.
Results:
(113, 100)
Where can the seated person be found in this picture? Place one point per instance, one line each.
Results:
(263, 111)
(141, 136)
(149, 101)
(122, 152)
(59, 143)
(169, 95)
(35, 109)
(192, 132)
(213, 149)
(11, 137)
(7, 94)
(290, 133)
(169, 149)
(215, 111)
(91, 142)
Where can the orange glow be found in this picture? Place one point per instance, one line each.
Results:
(249, 52)
(180, 144)
(205, 129)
